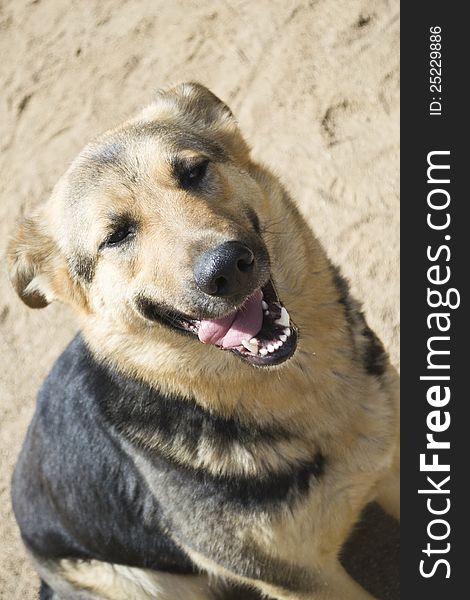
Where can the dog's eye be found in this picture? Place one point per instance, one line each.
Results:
(119, 235)
(192, 176)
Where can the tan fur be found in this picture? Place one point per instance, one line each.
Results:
(117, 582)
(321, 393)
(92, 580)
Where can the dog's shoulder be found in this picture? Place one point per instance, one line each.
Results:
(75, 492)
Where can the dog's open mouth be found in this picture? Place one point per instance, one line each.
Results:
(260, 331)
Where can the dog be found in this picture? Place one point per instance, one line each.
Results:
(225, 412)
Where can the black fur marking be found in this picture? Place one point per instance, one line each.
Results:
(372, 351)
(238, 592)
(45, 592)
(350, 311)
(83, 268)
(375, 355)
(167, 417)
(341, 285)
(252, 493)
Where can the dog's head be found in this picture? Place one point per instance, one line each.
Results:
(159, 224)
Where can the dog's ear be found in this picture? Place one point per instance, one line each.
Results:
(38, 270)
(202, 110)
(194, 99)
(32, 262)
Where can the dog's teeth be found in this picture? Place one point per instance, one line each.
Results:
(266, 312)
(271, 348)
(287, 331)
(284, 319)
(251, 347)
(277, 345)
(283, 337)
(263, 351)
(254, 341)
(264, 305)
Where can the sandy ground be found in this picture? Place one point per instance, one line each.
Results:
(315, 88)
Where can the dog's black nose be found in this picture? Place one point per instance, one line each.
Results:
(225, 270)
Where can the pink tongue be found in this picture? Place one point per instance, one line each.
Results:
(230, 331)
